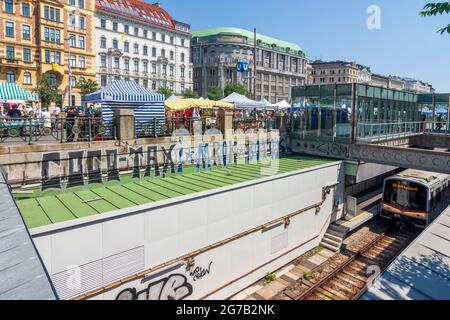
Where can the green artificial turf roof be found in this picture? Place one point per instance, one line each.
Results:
(58, 206)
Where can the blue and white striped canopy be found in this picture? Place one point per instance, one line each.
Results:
(121, 91)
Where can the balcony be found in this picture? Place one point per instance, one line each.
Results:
(11, 62)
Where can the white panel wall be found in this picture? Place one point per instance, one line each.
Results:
(177, 229)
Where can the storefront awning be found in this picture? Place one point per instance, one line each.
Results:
(184, 104)
(11, 92)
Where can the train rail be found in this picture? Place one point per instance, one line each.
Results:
(346, 275)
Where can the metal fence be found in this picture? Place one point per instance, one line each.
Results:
(33, 130)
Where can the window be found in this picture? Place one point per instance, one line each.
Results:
(103, 81)
(82, 79)
(153, 85)
(171, 71)
(154, 68)
(145, 66)
(73, 81)
(136, 48)
(9, 7)
(72, 40)
(136, 31)
(172, 55)
(26, 54)
(72, 20)
(103, 42)
(145, 33)
(10, 52)
(72, 2)
(115, 26)
(72, 61)
(10, 77)
(82, 62)
(182, 71)
(103, 61)
(145, 51)
(163, 38)
(26, 32)
(9, 29)
(145, 83)
(115, 44)
(136, 80)
(26, 9)
(182, 57)
(52, 78)
(182, 42)
(116, 63)
(153, 52)
(52, 57)
(154, 35)
(171, 40)
(164, 69)
(126, 29)
(103, 23)
(81, 42)
(126, 46)
(136, 65)
(27, 78)
(81, 23)
(126, 64)
(81, 4)
(163, 53)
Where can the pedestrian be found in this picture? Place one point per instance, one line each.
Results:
(71, 115)
(14, 112)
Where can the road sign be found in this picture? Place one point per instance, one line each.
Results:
(242, 66)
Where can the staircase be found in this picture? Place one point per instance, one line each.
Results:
(334, 237)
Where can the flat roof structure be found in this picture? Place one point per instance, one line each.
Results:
(422, 271)
(53, 207)
(22, 272)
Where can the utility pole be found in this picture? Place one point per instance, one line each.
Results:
(254, 65)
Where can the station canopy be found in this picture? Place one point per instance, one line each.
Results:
(184, 104)
(11, 92)
(242, 102)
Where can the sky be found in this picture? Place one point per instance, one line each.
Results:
(404, 45)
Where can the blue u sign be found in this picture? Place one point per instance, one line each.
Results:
(242, 66)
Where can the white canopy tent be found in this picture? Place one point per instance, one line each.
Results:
(242, 102)
(283, 105)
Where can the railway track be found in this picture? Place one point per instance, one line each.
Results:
(345, 276)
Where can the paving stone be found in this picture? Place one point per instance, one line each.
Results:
(317, 260)
(293, 276)
(326, 253)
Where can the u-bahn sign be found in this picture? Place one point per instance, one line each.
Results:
(242, 66)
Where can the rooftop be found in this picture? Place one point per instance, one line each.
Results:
(262, 40)
(138, 10)
(22, 275)
(58, 206)
(422, 271)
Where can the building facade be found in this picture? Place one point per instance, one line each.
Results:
(334, 72)
(42, 38)
(215, 53)
(141, 42)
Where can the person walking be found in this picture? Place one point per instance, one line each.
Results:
(71, 116)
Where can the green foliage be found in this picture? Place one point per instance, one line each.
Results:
(165, 91)
(214, 93)
(189, 94)
(437, 8)
(47, 92)
(87, 87)
(307, 276)
(236, 87)
(270, 277)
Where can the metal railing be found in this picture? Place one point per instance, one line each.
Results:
(33, 130)
(391, 130)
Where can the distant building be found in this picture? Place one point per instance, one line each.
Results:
(142, 42)
(215, 53)
(334, 72)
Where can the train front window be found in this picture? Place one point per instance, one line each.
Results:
(406, 195)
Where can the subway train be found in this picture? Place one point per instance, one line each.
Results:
(415, 196)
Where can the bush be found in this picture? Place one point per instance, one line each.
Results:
(270, 277)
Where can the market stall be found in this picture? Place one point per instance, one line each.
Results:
(148, 105)
(242, 102)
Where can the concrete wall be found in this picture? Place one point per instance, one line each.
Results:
(87, 254)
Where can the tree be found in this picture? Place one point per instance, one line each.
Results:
(47, 92)
(87, 87)
(437, 8)
(236, 87)
(214, 93)
(165, 91)
(189, 94)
